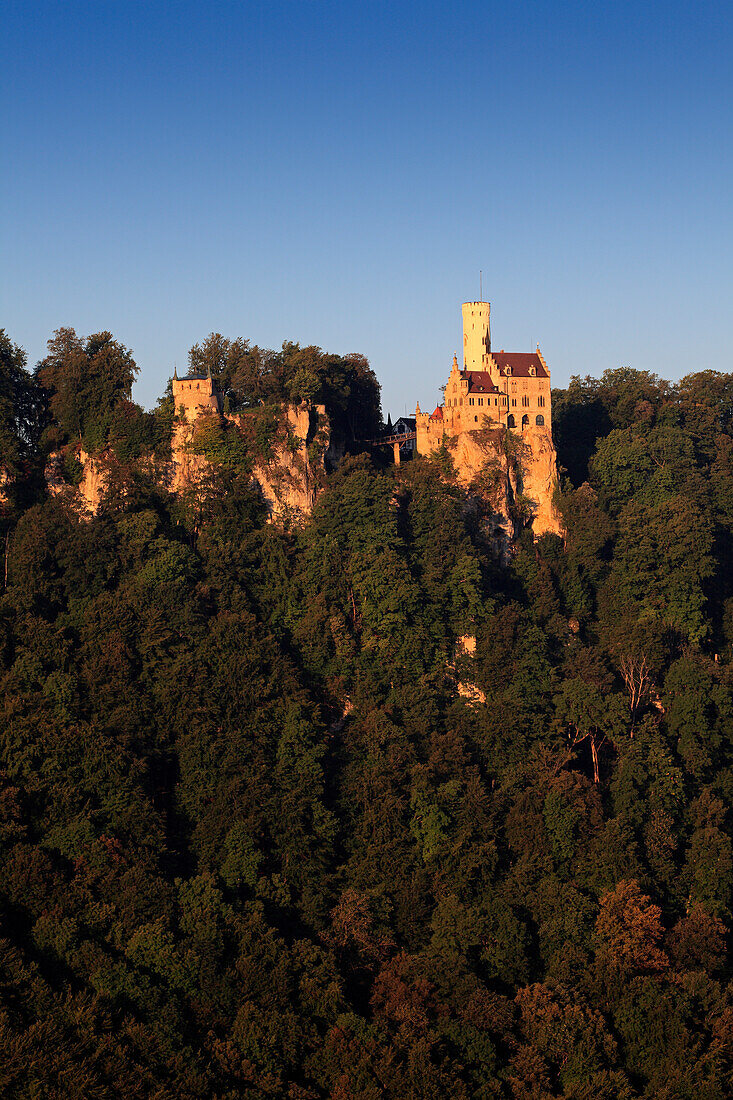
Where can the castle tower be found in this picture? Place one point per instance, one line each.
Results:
(194, 394)
(476, 335)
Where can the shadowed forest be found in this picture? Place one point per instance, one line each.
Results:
(253, 841)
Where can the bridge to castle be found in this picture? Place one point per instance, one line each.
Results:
(394, 441)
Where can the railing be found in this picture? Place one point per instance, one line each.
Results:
(388, 440)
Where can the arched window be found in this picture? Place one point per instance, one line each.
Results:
(507, 371)
(197, 386)
(525, 422)
(475, 419)
(510, 421)
(540, 421)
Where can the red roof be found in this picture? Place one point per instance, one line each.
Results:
(479, 381)
(438, 414)
(520, 362)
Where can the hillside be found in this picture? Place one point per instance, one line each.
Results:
(254, 841)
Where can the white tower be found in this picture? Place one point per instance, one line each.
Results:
(476, 335)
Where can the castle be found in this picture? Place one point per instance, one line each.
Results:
(492, 389)
(495, 390)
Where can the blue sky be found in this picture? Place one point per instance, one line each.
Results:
(338, 173)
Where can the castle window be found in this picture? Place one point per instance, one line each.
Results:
(510, 422)
(514, 402)
(197, 386)
(532, 372)
(525, 401)
(507, 371)
(475, 419)
(539, 420)
(525, 422)
(480, 400)
(541, 401)
(514, 387)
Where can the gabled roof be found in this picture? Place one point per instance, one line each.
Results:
(520, 362)
(479, 381)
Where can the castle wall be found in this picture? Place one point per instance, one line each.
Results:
(527, 397)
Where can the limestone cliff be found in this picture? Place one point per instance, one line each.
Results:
(93, 482)
(288, 471)
(462, 669)
(540, 481)
(517, 485)
(291, 482)
(286, 465)
(85, 493)
(6, 482)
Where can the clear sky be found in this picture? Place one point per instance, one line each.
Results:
(337, 173)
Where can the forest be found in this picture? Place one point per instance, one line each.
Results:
(253, 840)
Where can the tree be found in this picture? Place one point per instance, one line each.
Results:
(628, 934)
(21, 411)
(586, 714)
(85, 380)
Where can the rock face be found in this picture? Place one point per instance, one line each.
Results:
(540, 481)
(289, 482)
(187, 469)
(481, 467)
(86, 496)
(6, 482)
(464, 656)
(93, 483)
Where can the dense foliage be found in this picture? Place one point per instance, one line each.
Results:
(253, 842)
(250, 376)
